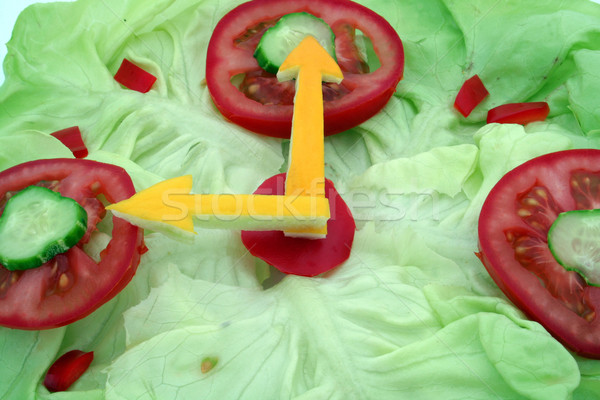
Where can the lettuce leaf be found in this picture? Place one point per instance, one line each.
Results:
(25, 357)
(386, 325)
(13, 150)
(412, 313)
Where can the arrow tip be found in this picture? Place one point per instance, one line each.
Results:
(161, 207)
(310, 54)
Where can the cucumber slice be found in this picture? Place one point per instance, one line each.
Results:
(279, 40)
(37, 224)
(574, 240)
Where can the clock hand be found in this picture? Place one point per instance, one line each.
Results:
(168, 207)
(310, 64)
(303, 211)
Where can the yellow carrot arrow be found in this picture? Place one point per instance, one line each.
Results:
(303, 211)
(310, 64)
(168, 207)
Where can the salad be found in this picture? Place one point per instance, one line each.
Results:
(412, 312)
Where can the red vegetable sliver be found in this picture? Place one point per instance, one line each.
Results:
(133, 77)
(470, 95)
(519, 113)
(306, 257)
(67, 369)
(71, 137)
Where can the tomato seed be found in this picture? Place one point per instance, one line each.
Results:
(63, 281)
(532, 202)
(542, 193)
(523, 212)
(521, 250)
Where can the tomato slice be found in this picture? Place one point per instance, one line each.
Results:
(306, 257)
(133, 77)
(67, 369)
(71, 137)
(263, 105)
(471, 93)
(72, 284)
(513, 230)
(518, 113)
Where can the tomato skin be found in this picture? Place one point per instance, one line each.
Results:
(518, 113)
(298, 256)
(52, 299)
(67, 369)
(369, 92)
(471, 93)
(527, 273)
(71, 137)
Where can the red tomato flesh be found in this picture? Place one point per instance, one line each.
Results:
(513, 229)
(306, 257)
(67, 369)
(518, 113)
(71, 137)
(471, 93)
(262, 104)
(72, 284)
(133, 77)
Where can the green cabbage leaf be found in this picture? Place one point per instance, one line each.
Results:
(412, 313)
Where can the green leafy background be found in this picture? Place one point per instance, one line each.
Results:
(412, 313)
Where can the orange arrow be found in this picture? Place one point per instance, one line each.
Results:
(310, 64)
(168, 207)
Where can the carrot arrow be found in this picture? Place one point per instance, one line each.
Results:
(168, 207)
(302, 211)
(310, 64)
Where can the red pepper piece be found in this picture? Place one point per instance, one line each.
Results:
(470, 95)
(71, 137)
(67, 369)
(298, 256)
(133, 77)
(519, 113)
